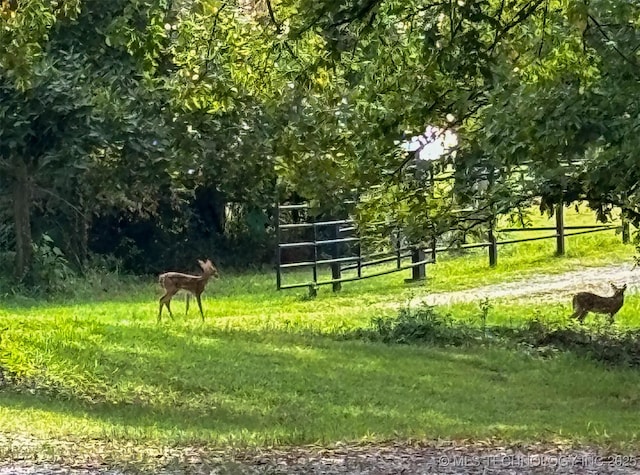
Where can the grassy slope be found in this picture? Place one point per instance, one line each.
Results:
(254, 374)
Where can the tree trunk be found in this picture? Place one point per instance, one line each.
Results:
(22, 219)
(79, 241)
(82, 225)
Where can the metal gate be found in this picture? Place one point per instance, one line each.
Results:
(334, 246)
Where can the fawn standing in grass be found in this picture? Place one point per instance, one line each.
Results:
(585, 302)
(193, 284)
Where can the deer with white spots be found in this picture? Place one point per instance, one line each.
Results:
(172, 282)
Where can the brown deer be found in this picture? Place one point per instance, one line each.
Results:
(585, 302)
(172, 282)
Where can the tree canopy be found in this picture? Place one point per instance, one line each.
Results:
(166, 122)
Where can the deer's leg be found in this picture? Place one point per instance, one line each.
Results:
(166, 300)
(168, 304)
(582, 316)
(200, 306)
(576, 313)
(162, 305)
(188, 298)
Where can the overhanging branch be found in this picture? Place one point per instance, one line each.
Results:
(524, 13)
(611, 43)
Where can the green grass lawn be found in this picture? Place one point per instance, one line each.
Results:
(108, 379)
(266, 369)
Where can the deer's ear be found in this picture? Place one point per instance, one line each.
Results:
(201, 263)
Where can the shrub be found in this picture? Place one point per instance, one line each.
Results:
(425, 325)
(50, 270)
(420, 325)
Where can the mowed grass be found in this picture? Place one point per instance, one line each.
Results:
(187, 384)
(266, 368)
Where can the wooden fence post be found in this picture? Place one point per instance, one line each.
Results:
(493, 242)
(418, 272)
(398, 249)
(493, 247)
(434, 245)
(336, 267)
(626, 232)
(560, 229)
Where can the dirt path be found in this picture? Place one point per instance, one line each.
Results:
(548, 287)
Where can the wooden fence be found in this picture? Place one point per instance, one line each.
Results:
(324, 245)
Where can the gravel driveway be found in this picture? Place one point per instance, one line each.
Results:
(550, 287)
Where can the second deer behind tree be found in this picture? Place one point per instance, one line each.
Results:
(172, 282)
